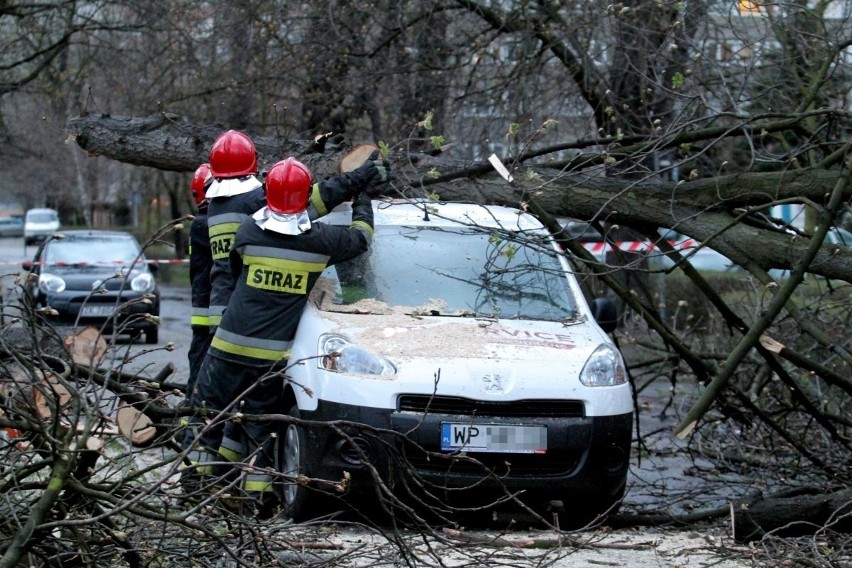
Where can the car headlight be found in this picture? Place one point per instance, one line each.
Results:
(605, 368)
(50, 283)
(142, 283)
(339, 354)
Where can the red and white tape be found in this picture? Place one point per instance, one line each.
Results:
(594, 248)
(637, 246)
(105, 263)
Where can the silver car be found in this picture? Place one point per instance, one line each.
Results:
(11, 227)
(40, 224)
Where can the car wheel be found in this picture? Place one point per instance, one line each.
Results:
(293, 462)
(152, 336)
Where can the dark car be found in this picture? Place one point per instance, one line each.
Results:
(98, 278)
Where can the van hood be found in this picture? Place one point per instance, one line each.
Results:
(401, 336)
(425, 332)
(464, 357)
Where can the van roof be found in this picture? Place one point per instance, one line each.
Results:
(421, 212)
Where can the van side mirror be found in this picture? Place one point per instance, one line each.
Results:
(606, 313)
(27, 265)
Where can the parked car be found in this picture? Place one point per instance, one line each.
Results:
(836, 236)
(701, 257)
(98, 278)
(627, 241)
(11, 227)
(839, 236)
(39, 224)
(463, 331)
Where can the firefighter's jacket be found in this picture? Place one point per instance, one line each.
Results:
(275, 274)
(226, 213)
(200, 263)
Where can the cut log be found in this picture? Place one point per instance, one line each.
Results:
(797, 515)
(87, 347)
(356, 157)
(51, 397)
(135, 425)
(91, 450)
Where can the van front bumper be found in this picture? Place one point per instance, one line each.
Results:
(585, 456)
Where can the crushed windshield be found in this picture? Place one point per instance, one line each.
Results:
(92, 251)
(459, 272)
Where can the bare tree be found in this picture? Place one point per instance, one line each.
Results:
(698, 117)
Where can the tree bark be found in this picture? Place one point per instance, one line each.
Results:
(792, 516)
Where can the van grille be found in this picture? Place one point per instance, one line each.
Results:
(530, 408)
(512, 465)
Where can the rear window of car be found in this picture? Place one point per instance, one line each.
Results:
(41, 217)
(460, 271)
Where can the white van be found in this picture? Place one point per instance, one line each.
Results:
(458, 361)
(40, 224)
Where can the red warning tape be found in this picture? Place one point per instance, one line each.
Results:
(106, 263)
(634, 246)
(596, 247)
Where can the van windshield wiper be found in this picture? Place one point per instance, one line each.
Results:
(451, 314)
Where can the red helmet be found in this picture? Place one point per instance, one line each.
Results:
(233, 155)
(202, 177)
(288, 186)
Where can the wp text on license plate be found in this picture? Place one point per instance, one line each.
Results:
(504, 438)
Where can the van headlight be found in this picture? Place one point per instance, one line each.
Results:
(605, 368)
(50, 283)
(142, 283)
(339, 354)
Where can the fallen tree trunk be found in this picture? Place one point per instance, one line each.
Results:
(724, 212)
(789, 516)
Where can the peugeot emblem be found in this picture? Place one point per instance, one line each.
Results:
(492, 384)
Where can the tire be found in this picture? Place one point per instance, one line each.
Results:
(152, 336)
(293, 461)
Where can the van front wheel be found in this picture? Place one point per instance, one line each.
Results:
(293, 457)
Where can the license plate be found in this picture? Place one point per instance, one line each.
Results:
(503, 438)
(90, 311)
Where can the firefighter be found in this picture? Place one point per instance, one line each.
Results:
(276, 258)
(237, 193)
(200, 263)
